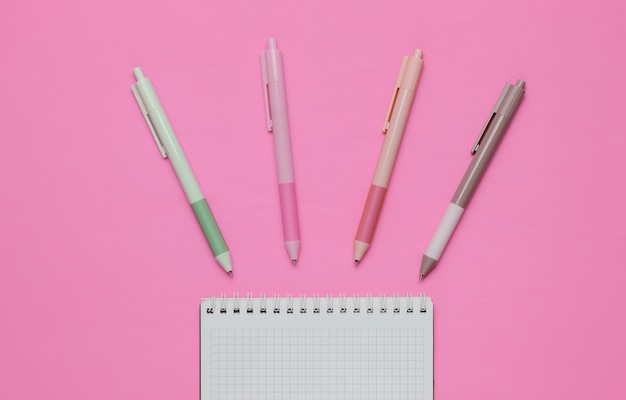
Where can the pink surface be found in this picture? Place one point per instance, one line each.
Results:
(103, 263)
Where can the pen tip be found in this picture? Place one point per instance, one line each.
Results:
(356, 262)
(294, 262)
(428, 263)
(230, 273)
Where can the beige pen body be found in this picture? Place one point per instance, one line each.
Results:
(395, 122)
(393, 138)
(397, 116)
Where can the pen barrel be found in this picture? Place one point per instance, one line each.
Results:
(371, 214)
(444, 231)
(176, 156)
(393, 137)
(284, 162)
(480, 161)
(282, 140)
(209, 227)
(502, 113)
(289, 211)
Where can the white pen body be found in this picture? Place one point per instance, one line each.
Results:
(444, 231)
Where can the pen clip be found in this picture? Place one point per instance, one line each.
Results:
(497, 108)
(266, 93)
(392, 105)
(482, 133)
(146, 116)
(394, 96)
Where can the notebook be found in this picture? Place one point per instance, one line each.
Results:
(316, 348)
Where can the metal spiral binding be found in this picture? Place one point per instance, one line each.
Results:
(396, 304)
(357, 304)
(236, 305)
(276, 304)
(370, 304)
(226, 305)
(223, 304)
(210, 308)
(422, 303)
(249, 307)
(409, 303)
(302, 304)
(263, 305)
(342, 302)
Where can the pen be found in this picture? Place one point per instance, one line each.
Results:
(395, 122)
(169, 147)
(277, 122)
(482, 151)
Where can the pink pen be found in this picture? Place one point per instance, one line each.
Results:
(397, 116)
(276, 113)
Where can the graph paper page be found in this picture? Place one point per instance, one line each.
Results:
(317, 348)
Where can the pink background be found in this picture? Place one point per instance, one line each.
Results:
(103, 262)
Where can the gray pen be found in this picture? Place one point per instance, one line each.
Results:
(483, 151)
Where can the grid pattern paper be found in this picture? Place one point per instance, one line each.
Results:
(326, 355)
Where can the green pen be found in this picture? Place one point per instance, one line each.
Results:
(169, 147)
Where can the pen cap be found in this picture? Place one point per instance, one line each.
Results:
(148, 103)
(408, 77)
(505, 106)
(410, 71)
(146, 91)
(512, 97)
(488, 141)
(272, 63)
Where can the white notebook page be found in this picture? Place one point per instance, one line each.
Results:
(316, 348)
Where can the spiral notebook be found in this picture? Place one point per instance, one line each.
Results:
(316, 348)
